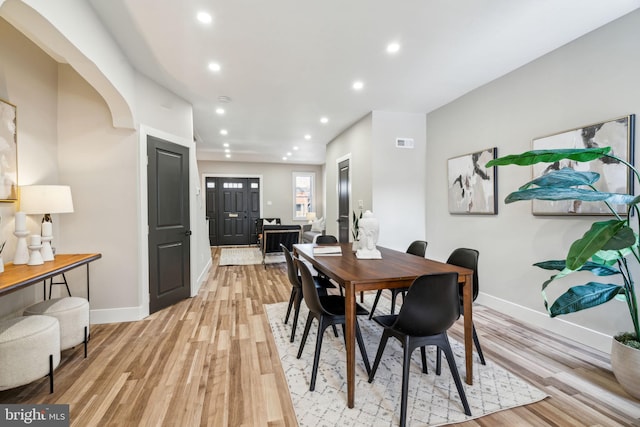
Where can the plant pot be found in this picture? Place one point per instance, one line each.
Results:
(355, 245)
(625, 363)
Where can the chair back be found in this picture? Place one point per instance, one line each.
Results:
(417, 247)
(467, 258)
(292, 269)
(327, 238)
(309, 291)
(431, 305)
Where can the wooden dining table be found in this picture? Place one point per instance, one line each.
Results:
(394, 270)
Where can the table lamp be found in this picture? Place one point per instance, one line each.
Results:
(46, 200)
(311, 216)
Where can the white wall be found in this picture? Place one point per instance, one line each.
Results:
(70, 138)
(590, 80)
(398, 197)
(356, 142)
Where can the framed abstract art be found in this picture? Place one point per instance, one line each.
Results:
(8, 152)
(473, 187)
(615, 177)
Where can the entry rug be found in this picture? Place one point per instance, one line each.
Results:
(433, 400)
(247, 256)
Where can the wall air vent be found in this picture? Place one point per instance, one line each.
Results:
(404, 142)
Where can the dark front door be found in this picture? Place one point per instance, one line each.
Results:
(169, 232)
(343, 201)
(233, 226)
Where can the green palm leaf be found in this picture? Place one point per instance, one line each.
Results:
(601, 235)
(550, 156)
(595, 268)
(556, 193)
(565, 177)
(584, 296)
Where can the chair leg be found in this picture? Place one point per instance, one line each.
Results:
(291, 298)
(86, 341)
(335, 331)
(307, 326)
(438, 361)
(394, 295)
(51, 373)
(423, 353)
(446, 347)
(375, 303)
(316, 356)
(296, 313)
(363, 350)
(381, 347)
(406, 363)
(477, 343)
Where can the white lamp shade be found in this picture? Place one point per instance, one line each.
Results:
(45, 199)
(311, 216)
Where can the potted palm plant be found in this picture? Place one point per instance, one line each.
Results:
(607, 249)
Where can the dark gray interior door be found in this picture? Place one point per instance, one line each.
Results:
(212, 211)
(169, 232)
(343, 201)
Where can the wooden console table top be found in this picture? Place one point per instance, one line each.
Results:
(16, 277)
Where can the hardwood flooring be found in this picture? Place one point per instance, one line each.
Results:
(211, 361)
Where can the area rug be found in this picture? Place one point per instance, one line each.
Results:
(247, 256)
(433, 400)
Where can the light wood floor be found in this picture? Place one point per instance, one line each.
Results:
(211, 360)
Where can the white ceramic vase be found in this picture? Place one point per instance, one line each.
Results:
(625, 363)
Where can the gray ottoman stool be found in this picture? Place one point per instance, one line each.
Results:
(73, 315)
(29, 350)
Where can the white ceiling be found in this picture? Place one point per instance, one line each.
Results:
(286, 63)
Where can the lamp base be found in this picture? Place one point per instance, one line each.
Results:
(46, 251)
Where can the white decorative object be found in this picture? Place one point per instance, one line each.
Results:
(47, 251)
(21, 221)
(21, 255)
(369, 230)
(1, 265)
(47, 229)
(36, 244)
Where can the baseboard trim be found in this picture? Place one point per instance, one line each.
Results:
(578, 333)
(204, 274)
(117, 315)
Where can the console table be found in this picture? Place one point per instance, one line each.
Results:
(16, 277)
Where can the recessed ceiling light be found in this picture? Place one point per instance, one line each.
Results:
(226, 144)
(358, 85)
(295, 148)
(204, 17)
(227, 155)
(393, 47)
(307, 137)
(220, 111)
(214, 66)
(289, 153)
(227, 150)
(284, 158)
(324, 120)
(223, 132)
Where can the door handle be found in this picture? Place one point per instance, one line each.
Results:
(187, 233)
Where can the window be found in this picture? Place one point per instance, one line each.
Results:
(303, 194)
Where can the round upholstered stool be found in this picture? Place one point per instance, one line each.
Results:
(29, 350)
(73, 315)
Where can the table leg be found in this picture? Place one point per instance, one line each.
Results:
(350, 309)
(467, 297)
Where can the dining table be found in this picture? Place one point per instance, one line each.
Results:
(395, 269)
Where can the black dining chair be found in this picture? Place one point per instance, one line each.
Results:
(325, 239)
(430, 308)
(468, 258)
(418, 248)
(329, 310)
(295, 299)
